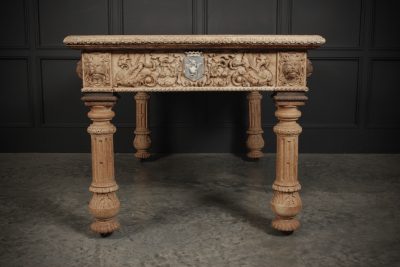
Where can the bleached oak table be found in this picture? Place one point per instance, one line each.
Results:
(179, 63)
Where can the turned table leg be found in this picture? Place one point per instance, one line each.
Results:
(104, 205)
(142, 139)
(255, 141)
(286, 202)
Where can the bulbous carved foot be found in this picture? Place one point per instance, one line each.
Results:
(255, 143)
(285, 226)
(105, 228)
(286, 205)
(255, 154)
(104, 207)
(142, 154)
(142, 143)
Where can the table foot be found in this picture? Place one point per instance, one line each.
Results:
(255, 143)
(143, 154)
(105, 228)
(285, 226)
(104, 207)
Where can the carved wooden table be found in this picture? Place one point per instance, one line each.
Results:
(165, 63)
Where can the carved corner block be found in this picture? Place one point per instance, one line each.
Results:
(291, 69)
(96, 70)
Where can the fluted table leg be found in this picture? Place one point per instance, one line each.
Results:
(255, 141)
(142, 139)
(286, 201)
(104, 205)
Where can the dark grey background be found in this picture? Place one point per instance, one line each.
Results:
(354, 94)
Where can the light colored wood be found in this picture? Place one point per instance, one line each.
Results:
(142, 139)
(155, 63)
(181, 63)
(193, 42)
(195, 89)
(255, 141)
(104, 205)
(161, 71)
(286, 201)
(166, 70)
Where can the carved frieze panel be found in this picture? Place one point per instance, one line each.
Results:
(147, 70)
(291, 69)
(96, 69)
(176, 71)
(242, 69)
(180, 70)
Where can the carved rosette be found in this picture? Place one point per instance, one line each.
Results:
(286, 202)
(291, 69)
(96, 69)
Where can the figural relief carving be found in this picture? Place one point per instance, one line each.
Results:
(96, 69)
(291, 69)
(193, 69)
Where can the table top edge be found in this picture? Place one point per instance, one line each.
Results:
(193, 41)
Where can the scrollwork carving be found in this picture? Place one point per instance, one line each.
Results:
(167, 70)
(146, 70)
(251, 70)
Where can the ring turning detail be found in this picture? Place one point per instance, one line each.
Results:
(144, 64)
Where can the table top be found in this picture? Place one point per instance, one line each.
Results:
(159, 63)
(106, 42)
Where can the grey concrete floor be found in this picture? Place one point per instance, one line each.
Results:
(200, 210)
